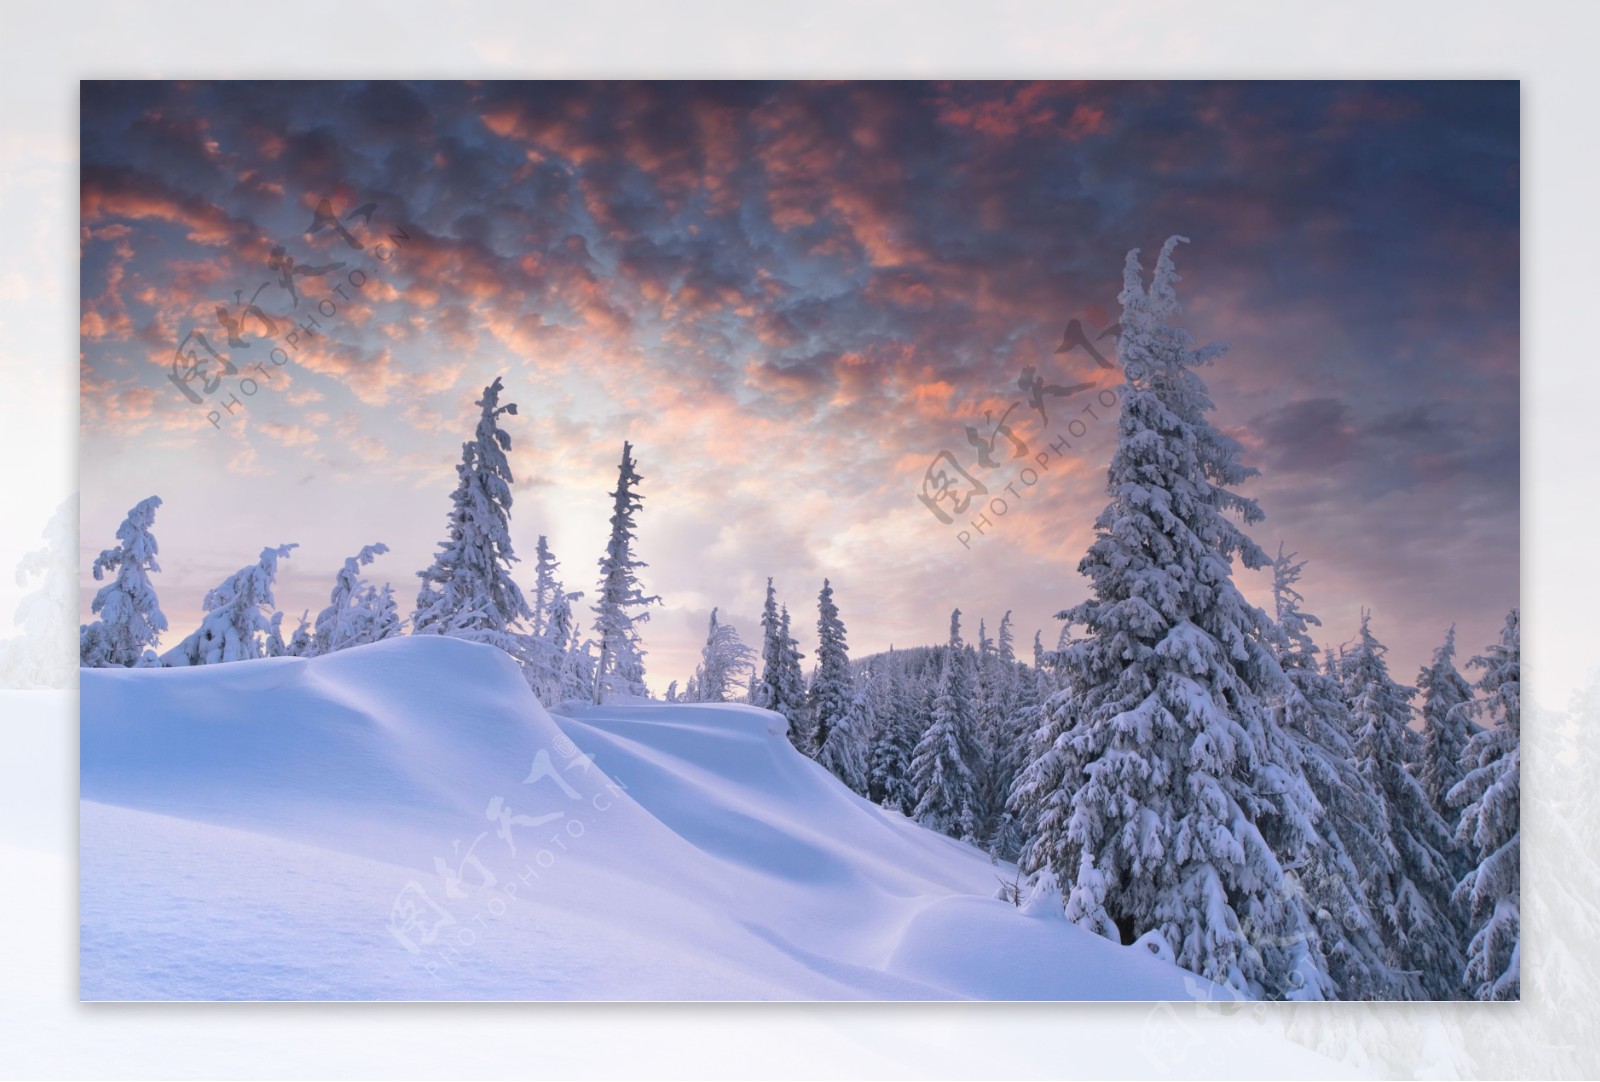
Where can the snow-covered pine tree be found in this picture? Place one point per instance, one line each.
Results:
(792, 686)
(843, 752)
(995, 719)
(1007, 708)
(1353, 827)
(724, 662)
(1412, 901)
(299, 644)
(546, 586)
(1490, 798)
(965, 687)
(944, 765)
(577, 671)
(1446, 729)
(131, 620)
(556, 667)
(767, 691)
(1023, 716)
(1155, 775)
(832, 693)
(241, 622)
(275, 645)
(386, 621)
(468, 591)
(895, 739)
(1046, 668)
(353, 616)
(622, 603)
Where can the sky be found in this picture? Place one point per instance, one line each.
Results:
(794, 300)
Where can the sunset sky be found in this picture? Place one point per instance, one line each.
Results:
(791, 298)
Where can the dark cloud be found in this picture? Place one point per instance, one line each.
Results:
(1310, 435)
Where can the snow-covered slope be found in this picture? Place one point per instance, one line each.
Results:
(404, 821)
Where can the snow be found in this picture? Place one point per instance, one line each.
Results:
(277, 829)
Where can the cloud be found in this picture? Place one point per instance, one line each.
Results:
(791, 296)
(1311, 434)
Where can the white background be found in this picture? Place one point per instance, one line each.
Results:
(45, 48)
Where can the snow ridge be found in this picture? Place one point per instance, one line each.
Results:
(403, 820)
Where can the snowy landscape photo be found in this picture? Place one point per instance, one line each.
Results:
(789, 541)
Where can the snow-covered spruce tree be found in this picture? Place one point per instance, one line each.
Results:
(1041, 793)
(468, 591)
(792, 686)
(996, 718)
(546, 586)
(275, 645)
(1411, 902)
(832, 698)
(1026, 714)
(894, 740)
(947, 762)
(353, 616)
(620, 608)
(843, 752)
(578, 671)
(829, 695)
(1490, 798)
(557, 666)
(385, 612)
(299, 644)
(964, 687)
(724, 662)
(1158, 771)
(1446, 729)
(1023, 716)
(780, 686)
(767, 692)
(131, 621)
(941, 764)
(241, 621)
(1353, 827)
(1007, 701)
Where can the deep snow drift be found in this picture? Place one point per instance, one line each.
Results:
(404, 821)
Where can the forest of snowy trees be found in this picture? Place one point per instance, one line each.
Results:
(1180, 768)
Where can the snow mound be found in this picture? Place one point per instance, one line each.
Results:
(405, 821)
